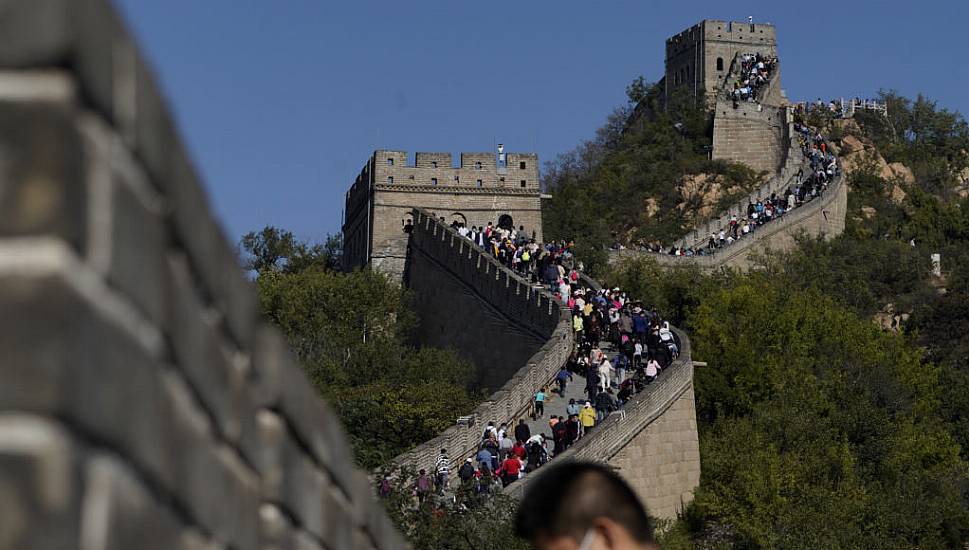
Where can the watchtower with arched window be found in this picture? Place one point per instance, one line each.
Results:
(474, 191)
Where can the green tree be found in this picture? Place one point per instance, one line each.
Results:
(470, 521)
(350, 333)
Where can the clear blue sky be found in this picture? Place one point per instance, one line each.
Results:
(282, 101)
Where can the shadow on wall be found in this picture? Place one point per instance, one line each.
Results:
(467, 301)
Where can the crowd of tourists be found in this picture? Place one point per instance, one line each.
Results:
(621, 346)
(755, 72)
(823, 168)
(840, 108)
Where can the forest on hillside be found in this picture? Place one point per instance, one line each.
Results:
(832, 412)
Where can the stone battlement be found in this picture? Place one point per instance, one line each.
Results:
(476, 192)
(740, 32)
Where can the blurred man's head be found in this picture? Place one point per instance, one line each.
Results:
(583, 506)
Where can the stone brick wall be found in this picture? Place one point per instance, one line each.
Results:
(517, 335)
(652, 442)
(753, 134)
(142, 404)
(662, 462)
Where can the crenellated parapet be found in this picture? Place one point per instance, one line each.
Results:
(483, 188)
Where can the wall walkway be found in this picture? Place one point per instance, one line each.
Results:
(652, 442)
(824, 217)
(467, 300)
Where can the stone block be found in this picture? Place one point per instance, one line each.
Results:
(42, 176)
(35, 33)
(191, 539)
(317, 425)
(201, 353)
(104, 58)
(303, 541)
(128, 238)
(209, 479)
(112, 388)
(210, 254)
(271, 357)
(120, 512)
(303, 489)
(155, 133)
(275, 530)
(39, 494)
(39, 313)
(262, 444)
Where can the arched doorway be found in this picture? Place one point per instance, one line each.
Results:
(459, 218)
(505, 222)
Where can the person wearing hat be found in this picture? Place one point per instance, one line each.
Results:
(587, 418)
(466, 471)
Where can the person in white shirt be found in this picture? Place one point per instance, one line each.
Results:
(605, 374)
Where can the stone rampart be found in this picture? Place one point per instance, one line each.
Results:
(142, 403)
(516, 333)
(785, 179)
(750, 133)
(820, 217)
(652, 441)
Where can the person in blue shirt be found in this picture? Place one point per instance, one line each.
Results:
(540, 403)
(563, 378)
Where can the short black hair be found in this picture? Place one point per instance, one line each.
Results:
(565, 499)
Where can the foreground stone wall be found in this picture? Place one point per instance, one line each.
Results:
(142, 404)
(517, 336)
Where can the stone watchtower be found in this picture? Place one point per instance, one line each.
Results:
(502, 189)
(699, 58)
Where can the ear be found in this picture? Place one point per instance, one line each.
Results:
(610, 532)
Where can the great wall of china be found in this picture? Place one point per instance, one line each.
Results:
(143, 404)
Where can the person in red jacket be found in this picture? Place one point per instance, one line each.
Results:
(510, 469)
(519, 450)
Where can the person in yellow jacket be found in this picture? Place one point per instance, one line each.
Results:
(577, 325)
(587, 417)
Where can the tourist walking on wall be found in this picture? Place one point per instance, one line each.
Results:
(423, 486)
(563, 378)
(443, 470)
(522, 431)
(605, 374)
(540, 403)
(587, 417)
